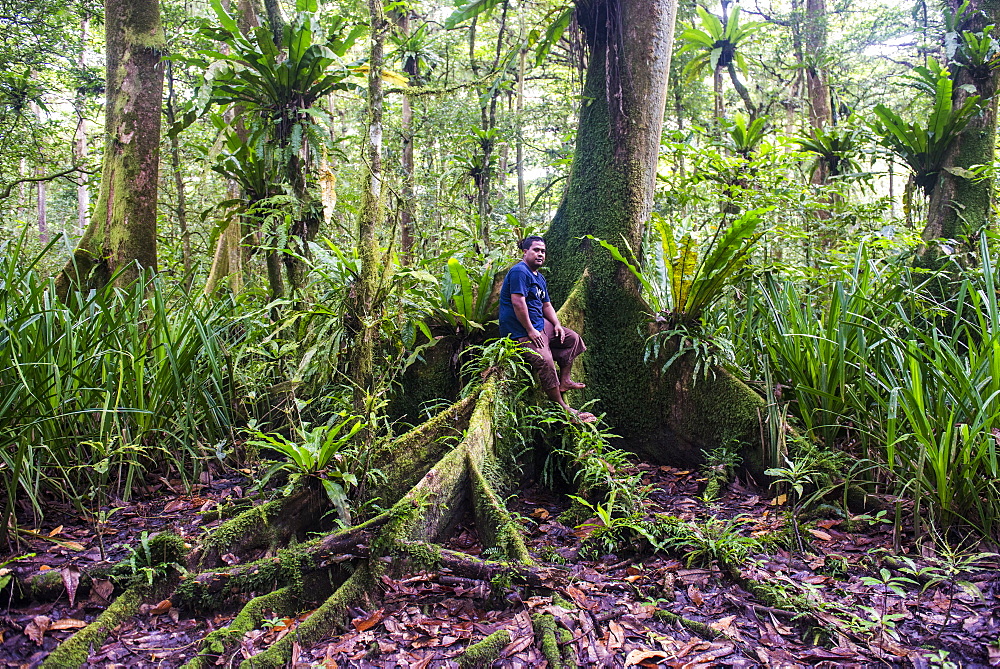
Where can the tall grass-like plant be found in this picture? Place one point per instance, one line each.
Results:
(98, 390)
(918, 381)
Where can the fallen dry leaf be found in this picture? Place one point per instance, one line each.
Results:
(161, 608)
(56, 531)
(616, 638)
(820, 534)
(694, 594)
(68, 624)
(362, 623)
(36, 629)
(100, 591)
(541, 513)
(71, 581)
(643, 656)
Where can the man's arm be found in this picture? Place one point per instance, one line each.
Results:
(550, 315)
(521, 311)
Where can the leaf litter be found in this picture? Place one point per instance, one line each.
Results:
(613, 605)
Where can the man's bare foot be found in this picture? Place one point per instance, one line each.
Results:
(565, 386)
(582, 416)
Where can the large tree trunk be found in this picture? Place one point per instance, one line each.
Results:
(610, 194)
(668, 417)
(121, 237)
(960, 206)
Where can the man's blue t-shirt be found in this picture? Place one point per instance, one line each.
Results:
(536, 293)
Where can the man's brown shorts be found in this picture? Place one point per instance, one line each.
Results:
(552, 352)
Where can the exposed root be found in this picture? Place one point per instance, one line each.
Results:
(269, 526)
(693, 626)
(281, 602)
(442, 480)
(485, 652)
(496, 527)
(545, 637)
(75, 650)
(324, 620)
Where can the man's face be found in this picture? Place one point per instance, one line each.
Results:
(534, 257)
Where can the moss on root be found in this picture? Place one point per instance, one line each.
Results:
(75, 650)
(328, 617)
(693, 626)
(485, 652)
(281, 602)
(493, 521)
(545, 636)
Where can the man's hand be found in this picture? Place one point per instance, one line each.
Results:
(559, 332)
(536, 337)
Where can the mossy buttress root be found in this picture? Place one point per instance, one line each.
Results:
(281, 602)
(269, 525)
(485, 652)
(331, 615)
(545, 628)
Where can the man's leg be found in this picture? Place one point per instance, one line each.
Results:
(540, 359)
(564, 353)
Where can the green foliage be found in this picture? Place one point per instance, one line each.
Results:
(914, 379)
(708, 541)
(923, 146)
(97, 392)
(323, 452)
(715, 45)
(835, 147)
(685, 282)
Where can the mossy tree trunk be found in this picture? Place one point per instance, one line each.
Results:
(121, 237)
(669, 416)
(365, 307)
(960, 206)
(610, 195)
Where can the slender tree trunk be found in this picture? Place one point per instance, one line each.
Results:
(175, 166)
(406, 218)
(960, 207)
(366, 309)
(610, 194)
(521, 195)
(41, 189)
(817, 86)
(121, 237)
(80, 141)
(229, 259)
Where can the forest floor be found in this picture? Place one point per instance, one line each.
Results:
(612, 603)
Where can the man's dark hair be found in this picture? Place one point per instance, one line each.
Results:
(528, 241)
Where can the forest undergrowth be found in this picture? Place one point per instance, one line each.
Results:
(684, 568)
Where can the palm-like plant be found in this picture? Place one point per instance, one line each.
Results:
(745, 134)
(715, 45)
(836, 148)
(923, 146)
(690, 280)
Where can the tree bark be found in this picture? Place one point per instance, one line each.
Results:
(178, 174)
(406, 218)
(959, 206)
(121, 237)
(372, 212)
(814, 29)
(610, 194)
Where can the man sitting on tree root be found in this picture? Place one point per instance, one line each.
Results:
(526, 314)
